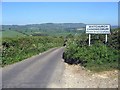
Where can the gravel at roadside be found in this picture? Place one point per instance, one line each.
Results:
(75, 76)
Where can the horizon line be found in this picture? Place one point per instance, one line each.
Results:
(56, 23)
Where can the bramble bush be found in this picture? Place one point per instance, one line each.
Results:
(17, 49)
(97, 57)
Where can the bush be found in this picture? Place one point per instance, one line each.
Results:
(97, 57)
(17, 49)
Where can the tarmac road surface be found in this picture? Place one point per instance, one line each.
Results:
(36, 72)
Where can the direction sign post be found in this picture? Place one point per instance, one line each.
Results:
(106, 38)
(89, 39)
(98, 29)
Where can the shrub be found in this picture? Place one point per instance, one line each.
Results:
(17, 49)
(97, 57)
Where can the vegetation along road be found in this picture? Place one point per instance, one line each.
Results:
(47, 70)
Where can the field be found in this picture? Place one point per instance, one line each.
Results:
(11, 33)
(46, 29)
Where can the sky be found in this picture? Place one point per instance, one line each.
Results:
(21, 13)
(60, 0)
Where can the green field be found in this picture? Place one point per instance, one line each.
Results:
(11, 33)
(49, 29)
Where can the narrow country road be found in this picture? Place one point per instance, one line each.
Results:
(37, 72)
(47, 70)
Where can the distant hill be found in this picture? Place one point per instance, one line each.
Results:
(48, 28)
(45, 26)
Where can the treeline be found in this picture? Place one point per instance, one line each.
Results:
(17, 49)
(99, 56)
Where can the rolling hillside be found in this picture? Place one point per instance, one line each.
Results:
(60, 29)
(45, 29)
(12, 33)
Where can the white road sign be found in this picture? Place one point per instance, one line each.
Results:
(98, 29)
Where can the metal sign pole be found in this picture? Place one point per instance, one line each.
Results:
(89, 39)
(106, 38)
